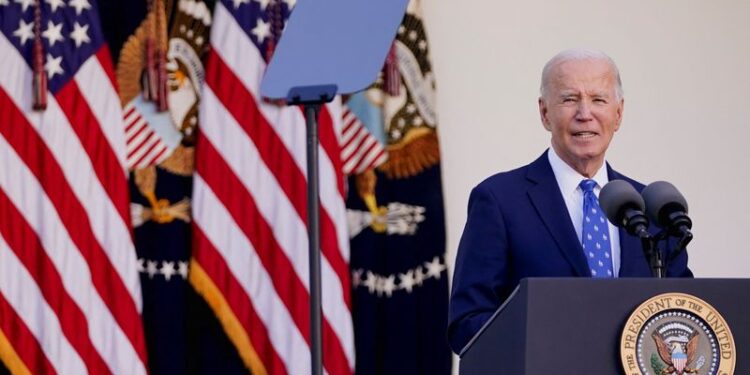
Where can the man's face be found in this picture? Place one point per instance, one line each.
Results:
(581, 109)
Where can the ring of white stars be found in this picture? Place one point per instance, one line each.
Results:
(167, 269)
(407, 281)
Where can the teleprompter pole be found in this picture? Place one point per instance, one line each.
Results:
(312, 63)
(313, 235)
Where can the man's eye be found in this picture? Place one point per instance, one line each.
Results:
(569, 100)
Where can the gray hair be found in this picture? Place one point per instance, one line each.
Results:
(577, 54)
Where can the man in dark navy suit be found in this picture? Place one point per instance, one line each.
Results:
(543, 219)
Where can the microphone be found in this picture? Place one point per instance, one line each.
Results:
(668, 209)
(624, 208)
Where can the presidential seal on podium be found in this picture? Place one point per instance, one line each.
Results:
(676, 334)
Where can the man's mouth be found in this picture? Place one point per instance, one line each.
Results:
(584, 134)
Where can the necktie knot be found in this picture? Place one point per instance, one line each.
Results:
(587, 185)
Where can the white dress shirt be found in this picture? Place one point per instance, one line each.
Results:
(568, 180)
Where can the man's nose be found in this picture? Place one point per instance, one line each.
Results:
(584, 111)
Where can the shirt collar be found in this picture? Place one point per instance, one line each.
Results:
(568, 178)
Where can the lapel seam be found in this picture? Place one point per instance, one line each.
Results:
(544, 184)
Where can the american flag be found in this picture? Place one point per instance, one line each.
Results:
(250, 257)
(70, 297)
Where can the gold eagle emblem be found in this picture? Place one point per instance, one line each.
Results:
(677, 357)
(184, 46)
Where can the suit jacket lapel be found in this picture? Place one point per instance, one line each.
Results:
(630, 246)
(550, 206)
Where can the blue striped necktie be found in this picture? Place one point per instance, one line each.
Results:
(595, 238)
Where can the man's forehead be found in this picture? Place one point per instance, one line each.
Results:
(583, 68)
(594, 78)
(583, 73)
(588, 61)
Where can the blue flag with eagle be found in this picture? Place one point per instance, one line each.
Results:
(159, 47)
(395, 213)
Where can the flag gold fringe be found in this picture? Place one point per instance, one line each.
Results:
(10, 358)
(418, 151)
(236, 333)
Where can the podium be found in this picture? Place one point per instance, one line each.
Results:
(575, 325)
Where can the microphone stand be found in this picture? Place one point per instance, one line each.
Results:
(653, 254)
(635, 223)
(656, 259)
(684, 238)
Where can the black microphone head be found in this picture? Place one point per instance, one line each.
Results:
(663, 199)
(616, 197)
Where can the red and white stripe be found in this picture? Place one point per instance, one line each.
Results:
(360, 150)
(250, 213)
(144, 146)
(70, 297)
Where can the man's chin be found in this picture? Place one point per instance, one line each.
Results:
(586, 160)
(587, 150)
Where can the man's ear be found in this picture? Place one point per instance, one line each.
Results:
(543, 113)
(620, 109)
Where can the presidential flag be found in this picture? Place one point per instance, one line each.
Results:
(396, 219)
(70, 298)
(182, 333)
(250, 254)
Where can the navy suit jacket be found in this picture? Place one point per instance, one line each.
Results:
(518, 226)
